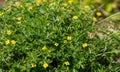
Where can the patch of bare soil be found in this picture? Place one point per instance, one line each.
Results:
(107, 27)
(2, 3)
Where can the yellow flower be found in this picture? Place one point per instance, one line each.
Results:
(45, 65)
(44, 48)
(86, 7)
(98, 13)
(13, 42)
(30, 8)
(70, 1)
(19, 18)
(56, 44)
(7, 42)
(75, 17)
(19, 22)
(69, 38)
(1, 13)
(33, 65)
(84, 45)
(94, 19)
(9, 32)
(67, 63)
(38, 2)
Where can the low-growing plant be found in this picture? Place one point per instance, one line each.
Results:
(54, 36)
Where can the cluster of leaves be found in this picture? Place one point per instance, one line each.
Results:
(51, 36)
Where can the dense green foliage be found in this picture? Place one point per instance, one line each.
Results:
(54, 36)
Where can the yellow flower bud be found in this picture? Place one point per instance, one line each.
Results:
(94, 19)
(7, 42)
(84, 45)
(45, 65)
(13, 42)
(44, 48)
(56, 44)
(33, 65)
(98, 13)
(67, 63)
(9, 32)
(69, 38)
(75, 17)
(86, 7)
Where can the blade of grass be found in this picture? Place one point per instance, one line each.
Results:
(118, 13)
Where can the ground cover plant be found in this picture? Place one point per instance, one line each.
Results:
(55, 36)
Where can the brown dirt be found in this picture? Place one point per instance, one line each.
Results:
(2, 3)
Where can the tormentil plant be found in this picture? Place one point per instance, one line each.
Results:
(51, 36)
